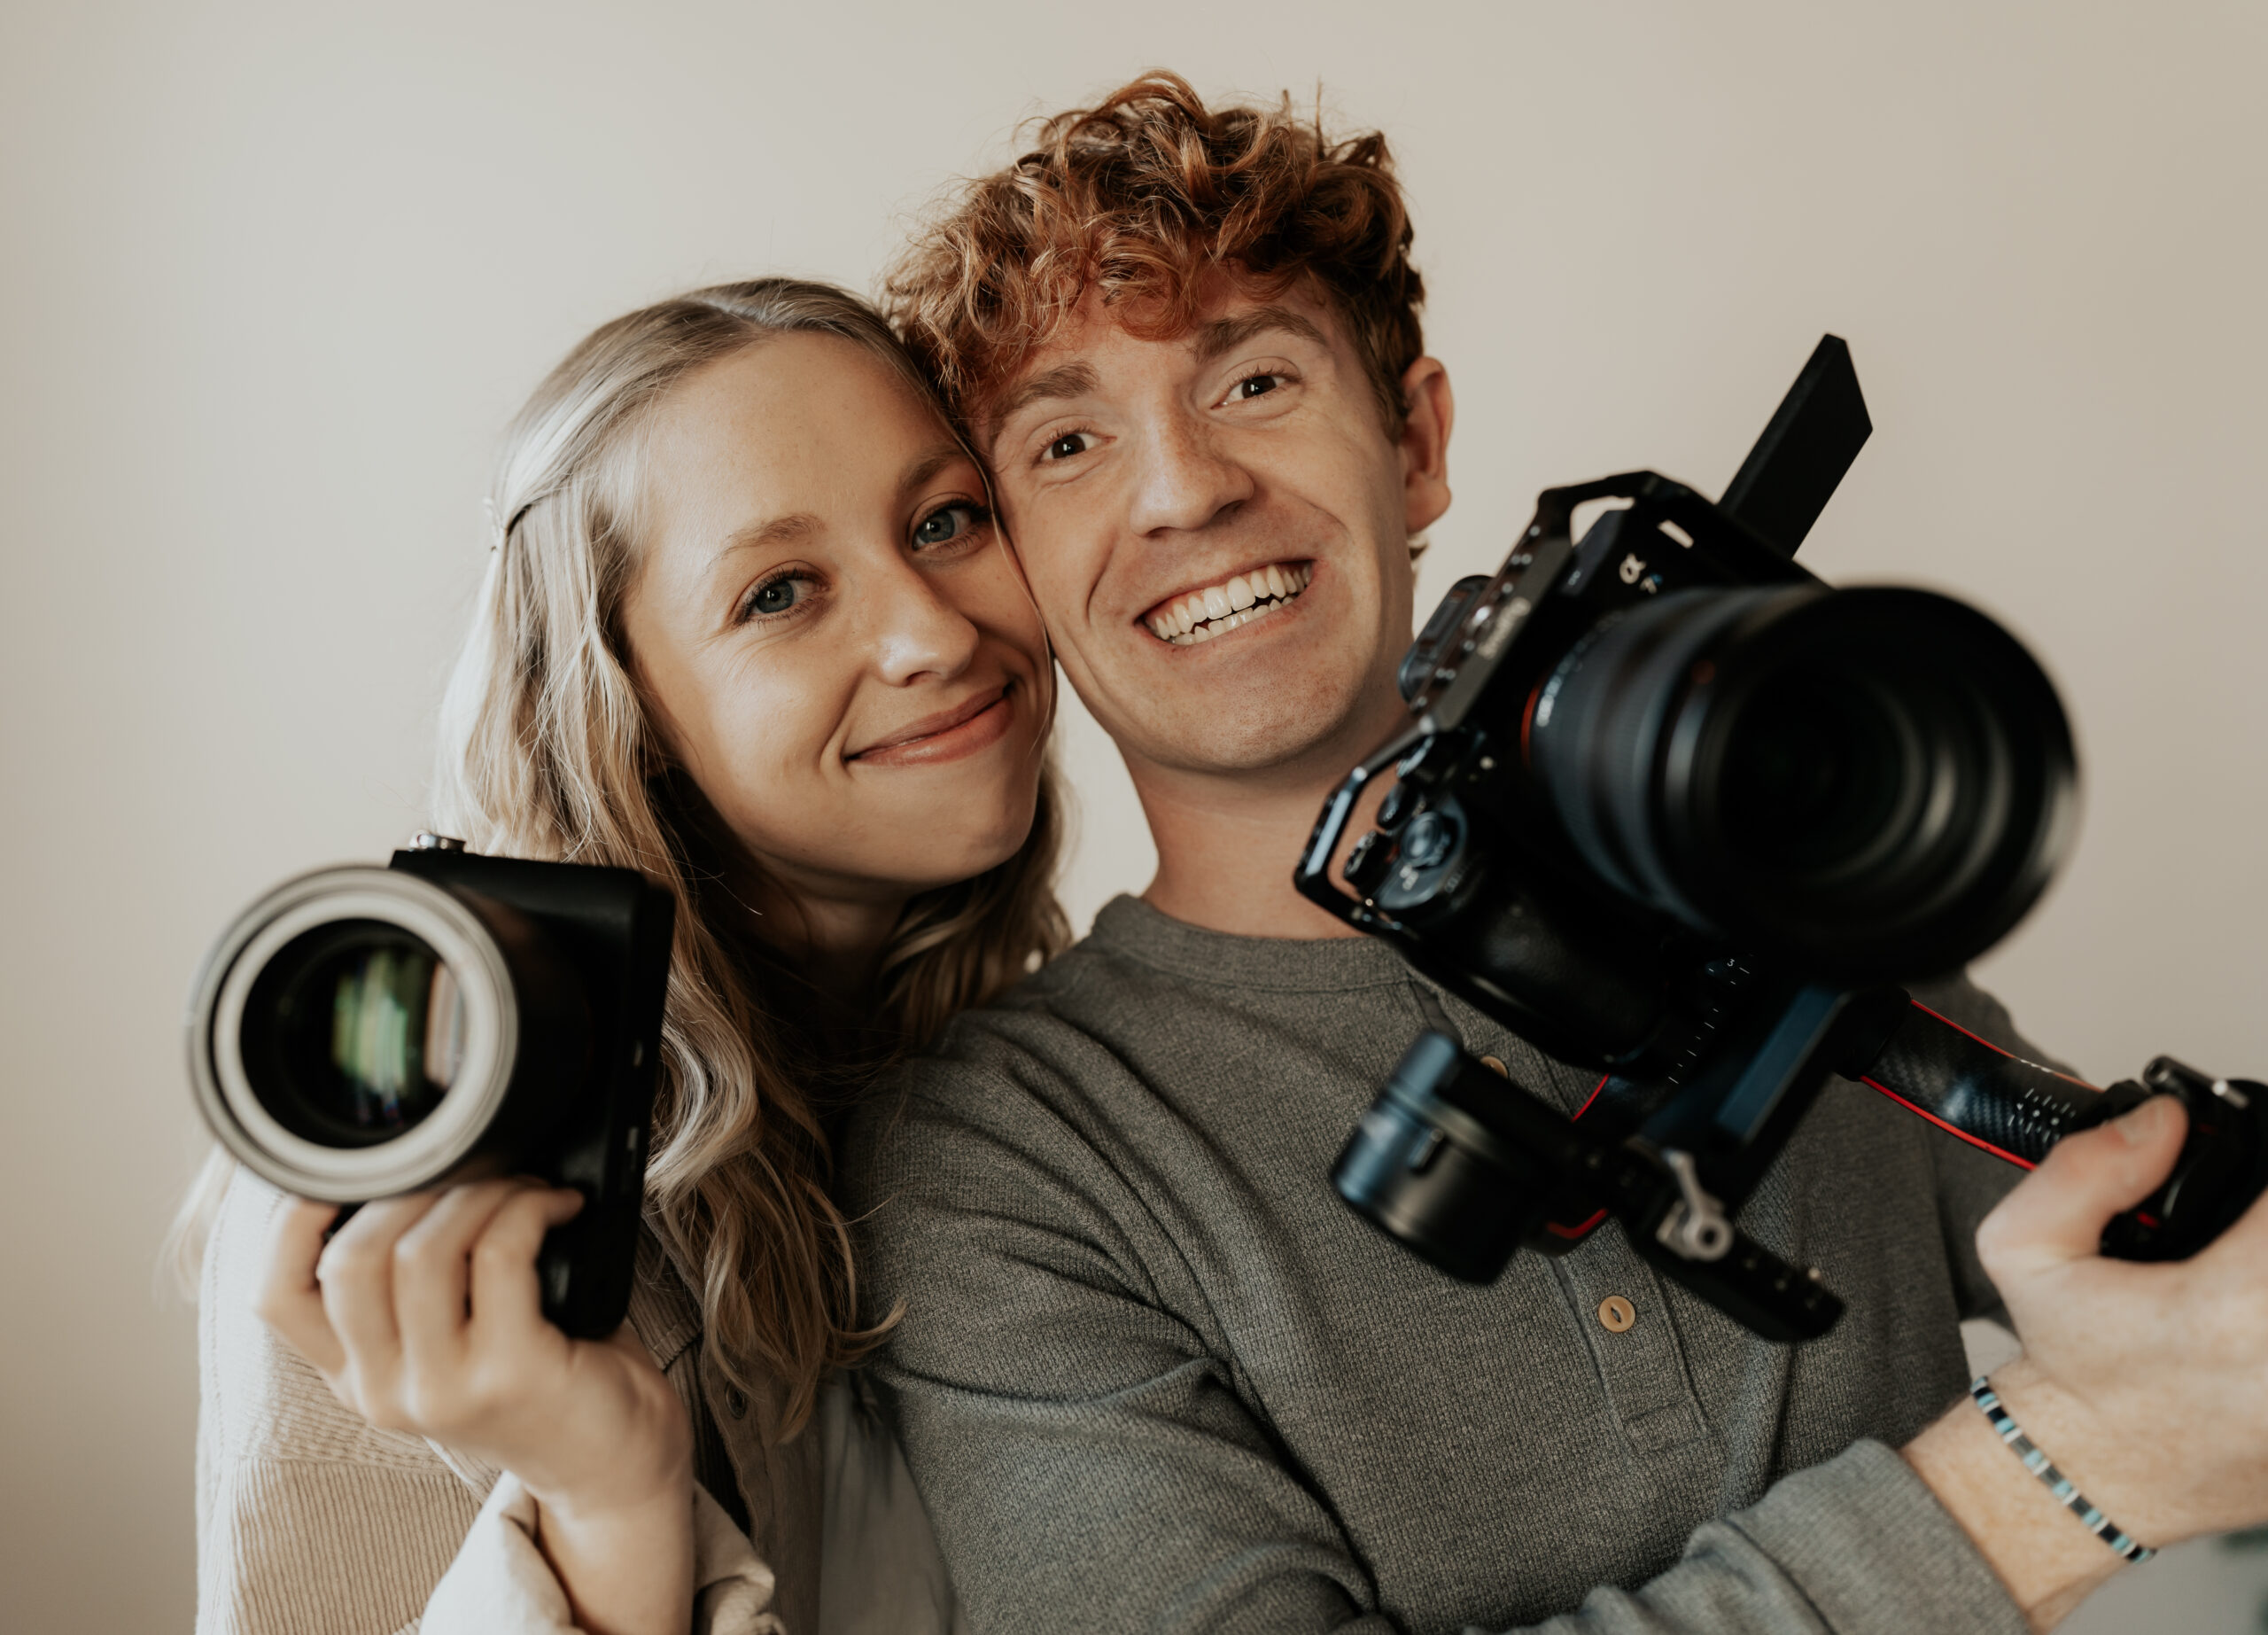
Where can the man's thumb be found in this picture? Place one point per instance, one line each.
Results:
(2058, 1211)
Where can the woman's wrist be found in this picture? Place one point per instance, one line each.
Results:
(619, 1495)
(623, 1555)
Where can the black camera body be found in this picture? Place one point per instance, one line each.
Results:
(361, 1033)
(1672, 808)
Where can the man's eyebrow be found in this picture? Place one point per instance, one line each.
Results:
(1224, 335)
(1065, 380)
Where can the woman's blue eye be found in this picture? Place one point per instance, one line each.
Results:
(776, 595)
(947, 524)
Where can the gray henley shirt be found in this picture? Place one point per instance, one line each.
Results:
(1152, 1375)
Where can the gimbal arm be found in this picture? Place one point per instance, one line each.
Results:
(1465, 1167)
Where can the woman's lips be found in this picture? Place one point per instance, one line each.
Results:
(948, 735)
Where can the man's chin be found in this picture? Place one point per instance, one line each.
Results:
(1299, 734)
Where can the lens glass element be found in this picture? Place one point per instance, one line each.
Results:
(354, 1032)
(1817, 777)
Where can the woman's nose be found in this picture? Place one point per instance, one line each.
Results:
(1184, 482)
(920, 634)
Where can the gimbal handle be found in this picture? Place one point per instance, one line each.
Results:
(2017, 1109)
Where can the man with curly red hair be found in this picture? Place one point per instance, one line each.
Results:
(1153, 1375)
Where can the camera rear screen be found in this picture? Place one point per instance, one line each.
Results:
(353, 1033)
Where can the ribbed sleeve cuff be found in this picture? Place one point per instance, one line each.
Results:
(1867, 1543)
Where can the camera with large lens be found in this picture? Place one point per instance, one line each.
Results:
(360, 1033)
(1673, 808)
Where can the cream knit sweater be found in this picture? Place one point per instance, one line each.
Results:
(312, 1521)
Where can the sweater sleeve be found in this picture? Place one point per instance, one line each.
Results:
(1090, 1465)
(500, 1583)
(310, 1521)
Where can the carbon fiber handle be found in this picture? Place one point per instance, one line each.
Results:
(2012, 1108)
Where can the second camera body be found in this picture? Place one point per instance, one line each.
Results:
(1642, 751)
(360, 1033)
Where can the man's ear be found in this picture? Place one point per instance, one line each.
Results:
(1426, 443)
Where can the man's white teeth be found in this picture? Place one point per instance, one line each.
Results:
(1203, 614)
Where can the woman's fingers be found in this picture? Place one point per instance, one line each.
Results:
(356, 1272)
(2057, 1213)
(432, 1270)
(290, 1301)
(507, 1298)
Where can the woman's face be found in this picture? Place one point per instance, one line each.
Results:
(829, 630)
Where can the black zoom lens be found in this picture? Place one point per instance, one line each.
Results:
(1871, 784)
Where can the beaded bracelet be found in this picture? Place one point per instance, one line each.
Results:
(2037, 1462)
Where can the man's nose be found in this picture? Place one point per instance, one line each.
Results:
(1185, 482)
(917, 633)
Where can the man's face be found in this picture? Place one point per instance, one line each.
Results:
(1216, 527)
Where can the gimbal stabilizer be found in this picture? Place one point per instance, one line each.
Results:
(1673, 808)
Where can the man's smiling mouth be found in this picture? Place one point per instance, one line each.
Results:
(1200, 615)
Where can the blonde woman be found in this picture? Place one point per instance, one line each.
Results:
(747, 627)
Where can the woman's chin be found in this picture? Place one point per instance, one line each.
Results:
(930, 860)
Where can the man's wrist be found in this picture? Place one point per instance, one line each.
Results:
(2046, 1556)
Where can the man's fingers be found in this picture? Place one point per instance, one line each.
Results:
(289, 1301)
(2058, 1211)
(433, 1269)
(507, 1298)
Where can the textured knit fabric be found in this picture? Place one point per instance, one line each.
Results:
(1155, 1375)
(312, 1521)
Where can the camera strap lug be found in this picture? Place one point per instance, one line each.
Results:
(1696, 1226)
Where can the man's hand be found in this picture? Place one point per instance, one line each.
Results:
(2142, 1382)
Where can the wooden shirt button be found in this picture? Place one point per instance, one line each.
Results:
(1497, 1067)
(1616, 1314)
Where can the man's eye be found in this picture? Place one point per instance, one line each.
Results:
(1070, 443)
(775, 597)
(947, 524)
(1253, 385)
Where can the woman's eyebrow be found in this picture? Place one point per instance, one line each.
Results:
(1226, 334)
(929, 465)
(779, 531)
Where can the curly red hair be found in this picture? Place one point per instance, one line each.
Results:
(1145, 195)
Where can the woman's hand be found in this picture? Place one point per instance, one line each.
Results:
(423, 1314)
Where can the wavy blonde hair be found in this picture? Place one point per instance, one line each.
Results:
(547, 750)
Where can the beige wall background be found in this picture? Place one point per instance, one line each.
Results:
(273, 275)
